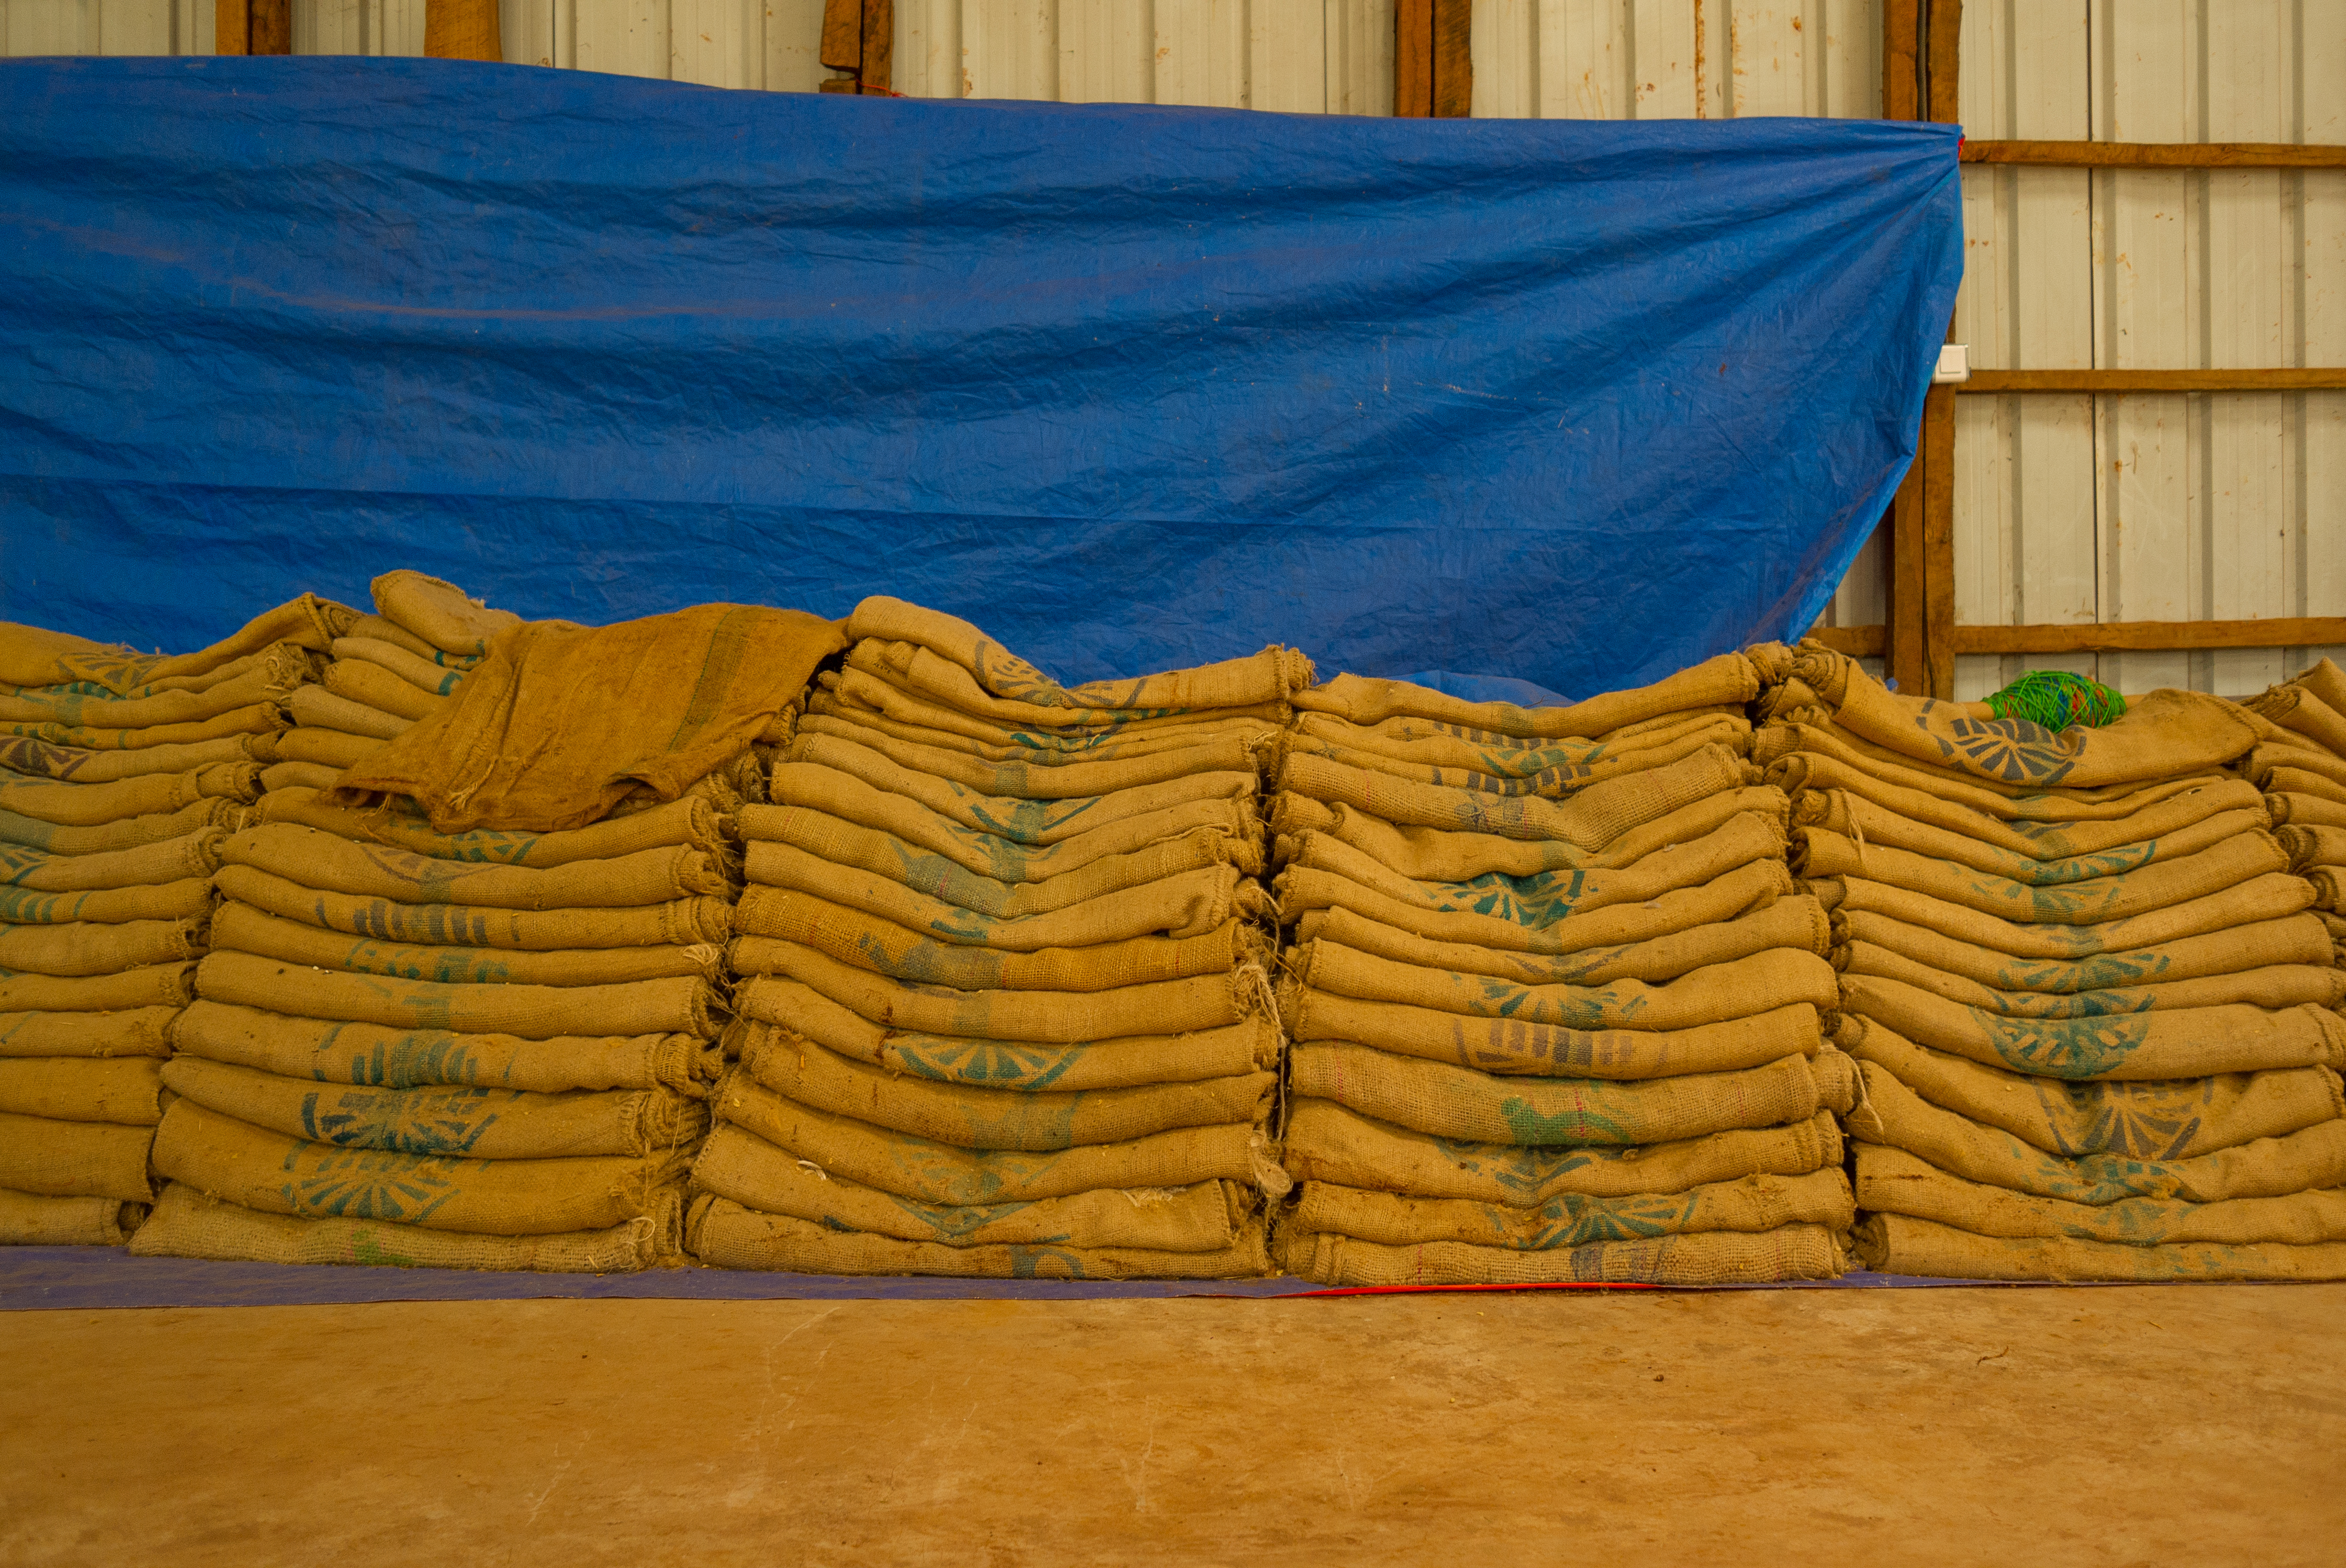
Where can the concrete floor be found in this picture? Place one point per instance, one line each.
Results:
(2200, 1424)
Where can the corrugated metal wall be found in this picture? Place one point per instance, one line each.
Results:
(2068, 508)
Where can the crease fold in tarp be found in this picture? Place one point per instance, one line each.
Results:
(1134, 387)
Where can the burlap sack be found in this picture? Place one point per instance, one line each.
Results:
(2326, 681)
(846, 820)
(2274, 986)
(2181, 1043)
(439, 612)
(858, 856)
(124, 1090)
(1249, 1045)
(992, 671)
(929, 1171)
(1783, 977)
(2298, 939)
(81, 707)
(1183, 905)
(196, 855)
(2307, 811)
(1327, 1142)
(1039, 1121)
(722, 1233)
(2308, 847)
(1729, 681)
(685, 1006)
(1892, 1115)
(1704, 1258)
(1557, 779)
(375, 628)
(1892, 1181)
(308, 622)
(1896, 1244)
(40, 760)
(1205, 1216)
(2159, 734)
(1793, 923)
(1044, 1017)
(371, 687)
(129, 833)
(138, 1032)
(1132, 744)
(83, 949)
(2297, 708)
(1514, 1047)
(1422, 744)
(31, 657)
(148, 794)
(941, 683)
(2245, 856)
(1592, 819)
(2169, 812)
(2276, 896)
(2272, 765)
(315, 707)
(258, 719)
(691, 822)
(36, 655)
(299, 776)
(50, 1158)
(186, 1224)
(484, 1123)
(866, 689)
(1025, 781)
(187, 901)
(1854, 816)
(240, 928)
(327, 747)
(330, 1053)
(1745, 890)
(1024, 821)
(886, 948)
(1437, 855)
(30, 1221)
(1460, 1102)
(2164, 1119)
(1747, 1204)
(332, 864)
(685, 923)
(1546, 898)
(160, 985)
(256, 1169)
(2026, 803)
(413, 670)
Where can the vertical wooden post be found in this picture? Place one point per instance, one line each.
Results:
(252, 27)
(879, 46)
(232, 28)
(1901, 40)
(1454, 59)
(1413, 58)
(1943, 61)
(1904, 636)
(1937, 460)
(462, 30)
(843, 41)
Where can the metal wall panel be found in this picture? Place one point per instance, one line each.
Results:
(105, 28)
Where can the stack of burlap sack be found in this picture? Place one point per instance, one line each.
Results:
(2301, 764)
(120, 774)
(458, 1011)
(1007, 1009)
(2092, 1009)
(1556, 1010)
(384, 675)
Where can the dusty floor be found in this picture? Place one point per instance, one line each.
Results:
(2202, 1424)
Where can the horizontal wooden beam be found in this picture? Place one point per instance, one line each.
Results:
(2155, 637)
(2315, 378)
(2138, 637)
(1857, 642)
(2156, 154)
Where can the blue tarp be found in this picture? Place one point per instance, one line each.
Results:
(1571, 403)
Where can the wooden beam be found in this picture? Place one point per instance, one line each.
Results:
(1939, 545)
(272, 27)
(2156, 154)
(1901, 78)
(1857, 642)
(231, 27)
(2318, 378)
(879, 46)
(1413, 58)
(1942, 61)
(1903, 648)
(462, 30)
(2155, 637)
(841, 48)
(1454, 59)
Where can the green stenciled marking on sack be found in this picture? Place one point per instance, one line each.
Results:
(2098, 971)
(1536, 901)
(1577, 1220)
(994, 1064)
(25, 907)
(2011, 749)
(1026, 1263)
(1025, 821)
(1524, 1168)
(367, 1246)
(2063, 1047)
(411, 1061)
(959, 1220)
(436, 1121)
(373, 1185)
(2155, 1121)
(1582, 1125)
(2081, 868)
